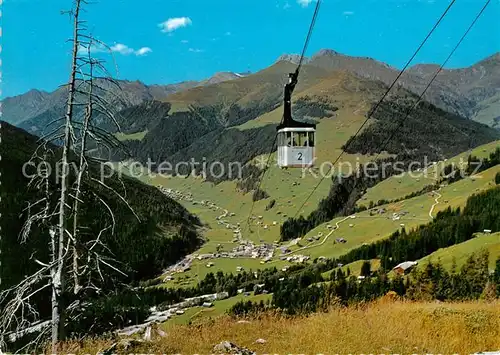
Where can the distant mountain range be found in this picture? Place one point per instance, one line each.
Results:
(235, 120)
(231, 99)
(472, 92)
(35, 109)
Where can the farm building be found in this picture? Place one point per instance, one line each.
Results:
(284, 250)
(405, 267)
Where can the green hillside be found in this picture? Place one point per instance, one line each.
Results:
(133, 136)
(420, 131)
(339, 103)
(460, 252)
(399, 186)
(489, 111)
(234, 122)
(351, 98)
(152, 234)
(265, 85)
(370, 226)
(367, 226)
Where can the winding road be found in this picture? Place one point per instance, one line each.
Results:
(436, 202)
(309, 246)
(337, 226)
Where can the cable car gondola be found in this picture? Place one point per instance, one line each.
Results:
(296, 140)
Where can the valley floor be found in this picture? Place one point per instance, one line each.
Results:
(383, 327)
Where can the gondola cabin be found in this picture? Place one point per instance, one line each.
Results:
(296, 140)
(296, 147)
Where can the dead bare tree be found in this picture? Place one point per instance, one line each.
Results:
(73, 257)
(58, 254)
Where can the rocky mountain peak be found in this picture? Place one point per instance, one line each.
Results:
(325, 52)
(293, 58)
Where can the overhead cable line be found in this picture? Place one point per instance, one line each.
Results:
(309, 34)
(432, 80)
(372, 111)
(304, 49)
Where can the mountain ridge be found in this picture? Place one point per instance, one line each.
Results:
(472, 92)
(24, 110)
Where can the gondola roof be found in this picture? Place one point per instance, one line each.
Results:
(295, 124)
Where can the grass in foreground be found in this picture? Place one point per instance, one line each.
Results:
(382, 327)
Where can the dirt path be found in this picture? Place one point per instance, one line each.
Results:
(309, 246)
(436, 202)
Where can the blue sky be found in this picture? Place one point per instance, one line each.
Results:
(206, 36)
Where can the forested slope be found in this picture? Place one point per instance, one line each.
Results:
(424, 131)
(161, 234)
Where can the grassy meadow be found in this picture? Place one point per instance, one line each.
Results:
(384, 327)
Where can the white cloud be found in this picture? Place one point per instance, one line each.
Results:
(143, 51)
(175, 23)
(122, 49)
(119, 48)
(94, 48)
(228, 33)
(195, 50)
(184, 41)
(304, 3)
(348, 13)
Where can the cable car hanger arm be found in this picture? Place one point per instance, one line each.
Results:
(289, 87)
(293, 77)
